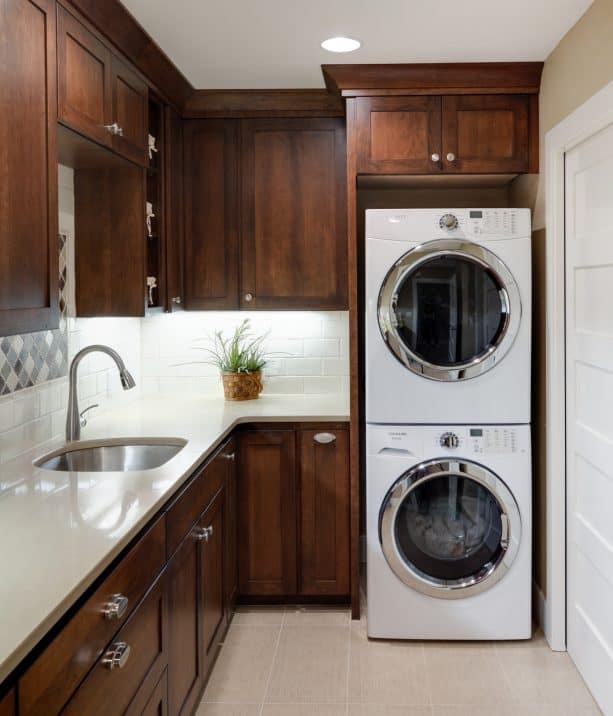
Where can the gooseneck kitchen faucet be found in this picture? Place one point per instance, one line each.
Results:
(74, 419)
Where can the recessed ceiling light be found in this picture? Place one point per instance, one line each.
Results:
(340, 44)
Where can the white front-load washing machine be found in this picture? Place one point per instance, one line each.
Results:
(448, 314)
(449, 531)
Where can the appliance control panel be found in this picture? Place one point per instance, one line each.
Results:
(483, 223)
(493, 440)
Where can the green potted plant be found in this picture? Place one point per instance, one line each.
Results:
(240, 360)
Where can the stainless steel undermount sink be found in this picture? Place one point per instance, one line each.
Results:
(112, 455)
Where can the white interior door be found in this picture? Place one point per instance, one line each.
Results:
(589, 411)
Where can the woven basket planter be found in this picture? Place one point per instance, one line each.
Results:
(242, 386)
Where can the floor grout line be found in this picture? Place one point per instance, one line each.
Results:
(272, 662)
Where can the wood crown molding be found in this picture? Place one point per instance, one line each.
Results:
(113, 21)
(434, 78)
(263, 103)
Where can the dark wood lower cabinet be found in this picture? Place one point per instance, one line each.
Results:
(324, 512)
(265, 518)
(267, 513)
(293, 517)
(185, 662)
(212, 602)
(231, 546)
(7, 704)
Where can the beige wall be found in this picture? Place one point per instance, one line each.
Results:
(579, 66)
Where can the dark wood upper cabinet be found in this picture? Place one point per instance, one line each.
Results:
(110, 241)
(130, 111)
(267, 513)
(486, 133)
(173, 203)
(324, 512)
(28, 167)
(84, 80)
(99, 96)
(460, 134)
(211, 214)
(399, 135)
(293, 208)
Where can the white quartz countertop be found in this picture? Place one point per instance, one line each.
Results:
(60, 530)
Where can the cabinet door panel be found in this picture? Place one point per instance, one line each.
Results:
(157, 705)
(267, 513)
(185, 663)
(110, 245)
(211, 214)
(212, 577)
(28, 167)
(173, 201)
(230, 552)
(398, 135)
(324, 499)
(84, 79)
(486, 133)
(130, 113)
(294, 237)
(7, 704)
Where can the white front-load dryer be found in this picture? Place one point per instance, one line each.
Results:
(448, 314)
(449, 528)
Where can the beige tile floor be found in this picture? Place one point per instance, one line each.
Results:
(316, 662)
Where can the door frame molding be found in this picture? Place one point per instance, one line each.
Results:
(588, 119)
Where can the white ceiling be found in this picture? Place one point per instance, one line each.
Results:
(257, 44)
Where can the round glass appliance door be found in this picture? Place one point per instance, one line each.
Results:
(450, 528)
(449, 309)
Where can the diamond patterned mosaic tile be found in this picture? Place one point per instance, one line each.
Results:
(32, 358)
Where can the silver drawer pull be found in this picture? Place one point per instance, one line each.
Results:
(116, 607)
(208, 533)
(324, 438)
(116, 656)
(229, 455)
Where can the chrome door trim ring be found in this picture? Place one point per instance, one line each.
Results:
(509, 296)
(492, 572)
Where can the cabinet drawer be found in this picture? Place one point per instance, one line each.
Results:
(55, 674)
(131, 665)
(188, 507)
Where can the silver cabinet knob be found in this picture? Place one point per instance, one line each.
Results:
(230, 455)
(208, 533)
(451, 157)
(176, 299)
(248, 297)
(436, 157)
(324, 438)
(116, 656)
(116, 607)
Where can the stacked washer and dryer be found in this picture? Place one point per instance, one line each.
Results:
(448, 466)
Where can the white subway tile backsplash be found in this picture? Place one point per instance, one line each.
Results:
(323, 348)
(301, 345)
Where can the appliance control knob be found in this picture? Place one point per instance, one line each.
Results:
(449, 222)
(449, 440)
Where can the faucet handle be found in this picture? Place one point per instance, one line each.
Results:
(82, 418)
